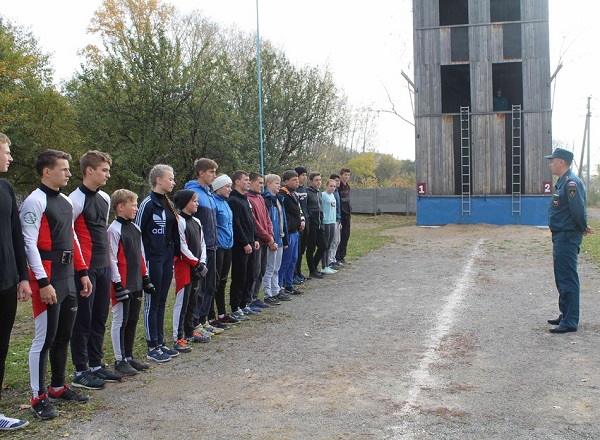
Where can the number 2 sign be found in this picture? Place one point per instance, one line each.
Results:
(547, 187)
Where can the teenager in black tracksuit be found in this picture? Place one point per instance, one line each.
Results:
(14, 282)
(90, 213)
(244, 243)
(160, 236)
(316, 246)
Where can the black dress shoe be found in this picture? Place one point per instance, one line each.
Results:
(561, 329)
(554, 321)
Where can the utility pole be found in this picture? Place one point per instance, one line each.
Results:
(586, 143)
(260, 115)
(588, 118)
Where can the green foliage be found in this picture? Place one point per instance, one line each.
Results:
(160, 87)
(591, 243)
(32, 114)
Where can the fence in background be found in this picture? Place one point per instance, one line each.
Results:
(384, 200)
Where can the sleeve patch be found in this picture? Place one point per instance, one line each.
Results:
(572, 192)
(571, 183)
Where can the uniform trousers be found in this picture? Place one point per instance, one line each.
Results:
(565, 251)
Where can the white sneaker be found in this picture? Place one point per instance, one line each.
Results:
(10, 424)
(214, 330)
(204, 332)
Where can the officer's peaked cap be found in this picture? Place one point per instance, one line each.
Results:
(561, 153)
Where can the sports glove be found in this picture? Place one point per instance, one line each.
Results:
(199, 271)
(122, 293)
(147, 285)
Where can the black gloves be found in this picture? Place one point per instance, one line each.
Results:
(121, 292)
(199, 271)
(147, 285)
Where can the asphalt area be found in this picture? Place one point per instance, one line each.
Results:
(440, 334)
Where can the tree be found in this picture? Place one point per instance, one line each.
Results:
(32, 113)
(363, 169)
(167, 88)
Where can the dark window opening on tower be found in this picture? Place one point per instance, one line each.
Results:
(511, 41)
(456, 87)
(507, 83)
(459, 43)
(505, 10)
(454, 12)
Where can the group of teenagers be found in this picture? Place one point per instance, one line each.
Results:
(75, 264)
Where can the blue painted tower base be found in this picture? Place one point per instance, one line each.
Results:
(495, 210)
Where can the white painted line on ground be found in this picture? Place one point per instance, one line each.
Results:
(421, 376)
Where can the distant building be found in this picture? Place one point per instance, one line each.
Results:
(479, 155)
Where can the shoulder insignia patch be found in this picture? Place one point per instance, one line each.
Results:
(572, 192)
(572, 183)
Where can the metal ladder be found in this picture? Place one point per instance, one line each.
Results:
(516, 160)
(465, 160)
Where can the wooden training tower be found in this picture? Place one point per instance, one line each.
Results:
(483, 111)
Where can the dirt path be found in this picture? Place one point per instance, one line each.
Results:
(440, 334)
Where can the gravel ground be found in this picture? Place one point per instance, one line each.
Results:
(440, 334)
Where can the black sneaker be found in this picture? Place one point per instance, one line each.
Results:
(218, 324)
(123, 367)
(316, 275)
(107, 375)
(88, 381)
(272, 301)
(293, 291)
(42, 408)
(282, 296)
(139, 366)
(228, 319)
(67, 394)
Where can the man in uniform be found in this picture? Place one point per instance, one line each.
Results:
(567, 220)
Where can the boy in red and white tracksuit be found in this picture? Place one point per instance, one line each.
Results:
(190, 268)
(129, 278)
(54, 256)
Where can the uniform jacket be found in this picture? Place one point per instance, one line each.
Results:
(207, 213)
(243, 220)
(314, 207)
(291, 206)
(262, 220)
(13, 263)
(302, 197)
(47, 222)
(153, 222)
(271, 205)
(224, 223)
(193, 249)
(127, 264)
(338, 206)
(567, 210)
(344, 190)
(90, 211)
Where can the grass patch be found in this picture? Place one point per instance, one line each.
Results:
(591, 244)
(368, 233)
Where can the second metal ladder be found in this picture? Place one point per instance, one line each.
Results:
(465, 161)
(517, 157)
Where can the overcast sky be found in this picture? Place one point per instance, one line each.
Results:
(365, 44)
